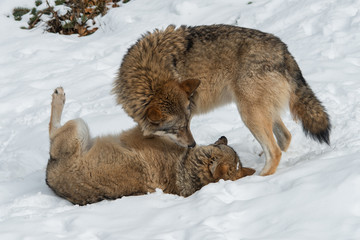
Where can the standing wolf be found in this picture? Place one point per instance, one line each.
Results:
(168, 76)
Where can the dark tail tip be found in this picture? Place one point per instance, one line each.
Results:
(322, 136)
(306, 107)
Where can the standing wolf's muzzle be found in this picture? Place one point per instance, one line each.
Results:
(192, 145)
(189, 137)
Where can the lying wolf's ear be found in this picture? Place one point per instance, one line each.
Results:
(212, 167)
(247, 171)
(243, 172)
(222, 140)
(218, 170)
(189, 86)
(153, 114)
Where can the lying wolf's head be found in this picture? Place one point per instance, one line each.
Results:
(224, 163)
(169, 112)
(209, 164)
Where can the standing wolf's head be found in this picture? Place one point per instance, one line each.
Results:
(169, 112)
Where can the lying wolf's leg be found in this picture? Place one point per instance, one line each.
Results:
(57, 106)
(282, 134)
(69, 138)
(259, 122)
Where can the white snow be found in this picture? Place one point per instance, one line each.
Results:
(315, 194)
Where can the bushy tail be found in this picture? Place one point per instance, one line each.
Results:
(308, 109)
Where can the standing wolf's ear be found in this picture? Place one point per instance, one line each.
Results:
(189, 86)
(153, 114)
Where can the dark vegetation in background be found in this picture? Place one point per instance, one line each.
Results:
(78, 18)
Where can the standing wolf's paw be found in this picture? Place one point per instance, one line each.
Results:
(58, 97)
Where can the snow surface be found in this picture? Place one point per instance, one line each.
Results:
(315, 194)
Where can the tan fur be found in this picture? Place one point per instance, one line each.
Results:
(251, 68)
(85, 170)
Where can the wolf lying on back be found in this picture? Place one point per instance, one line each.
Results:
(170, 75)
(85, 170)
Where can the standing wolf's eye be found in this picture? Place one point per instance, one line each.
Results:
(188, 108)
(169, 130)
(191, 105)
(165, 129)
(182, 128)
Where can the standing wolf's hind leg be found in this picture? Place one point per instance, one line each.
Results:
(261, 127)
(282, 134)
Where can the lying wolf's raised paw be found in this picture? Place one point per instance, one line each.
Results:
(59, 96)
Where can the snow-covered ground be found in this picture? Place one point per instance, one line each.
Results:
(315, 194)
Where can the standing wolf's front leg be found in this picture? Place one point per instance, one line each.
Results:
(57, 106)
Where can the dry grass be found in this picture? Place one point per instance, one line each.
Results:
(78, 19)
